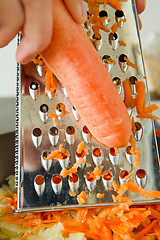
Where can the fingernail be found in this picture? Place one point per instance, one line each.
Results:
(27, 60)
(84, 10)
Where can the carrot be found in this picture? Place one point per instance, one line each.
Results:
(100, 195)
(140, 96)
(155, 194)
(137, 157)
(139, 190)
(26, 235)
(71, 48)
(145, 230)
(97, 172)
(147, 115)
(82, 147)
(128, 98)
(82, 197)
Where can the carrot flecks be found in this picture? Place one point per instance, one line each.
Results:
(82, 197)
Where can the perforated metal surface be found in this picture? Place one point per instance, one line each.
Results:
(36, 135)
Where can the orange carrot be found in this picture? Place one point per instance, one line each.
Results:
(139, 190)
(70, 47)
(26, 235)
(147, 115)
(140, 96)
(137, 157)
(97, 172)
(145, 230)
(100, 195)
(155, 194)
(128, 98)
(82, 197)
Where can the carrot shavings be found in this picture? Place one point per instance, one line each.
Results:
(82, 197)
(58, 154)
(129, 101)
(137, 189)
(122, 43)
(129, 175)
(39, 61)
(97, 172)
(130, 63)
(82, 147)
(115, 27)
(50, 80)
(147, 115)
(100, 195)
(155, 194)
(81, 214)
(122, 189)
(26, 235)
(146, 230)
(137, 157)
(140, 96)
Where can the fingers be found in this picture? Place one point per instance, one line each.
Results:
(77, 9)
(9, 24)
(140, 5)
(37, 29)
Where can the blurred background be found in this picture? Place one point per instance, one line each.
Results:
(150, 38)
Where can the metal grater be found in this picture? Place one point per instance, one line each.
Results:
(39, 184)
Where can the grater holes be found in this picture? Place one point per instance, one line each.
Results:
(129, 155)
(43, 110)
(56, 183)
(34, 89)
(141, 177)
(90, 181)
(113, 40)
(133, 80)
(122, 175)
(107, 60)
(123, 63)
(46, 163)
(39, 184)
(118, 84)
(97, 42)
(70, 134)
(120, 16)
(37, 137)
(73, 182)
(107, 179)
(114, 156)
(53, 136)
(138, 131)
(97, 156)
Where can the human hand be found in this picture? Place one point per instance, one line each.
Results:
(140, 8)
(34, 20)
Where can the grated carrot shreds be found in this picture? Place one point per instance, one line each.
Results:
(50, 80)
(130, 63)
(150, 108)
(116, 223)
(129, 175)
(26, 235)
(100, 195)
(98, 173)
(140, 96)
(128, 98)
(137, 157)
(138, 189)
(147, 115)
(133, 145)
(82, 197)
(122, 43)
(122, 189)
(82, 147)
(145, 230)
(155, 194)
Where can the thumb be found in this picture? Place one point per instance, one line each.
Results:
(77, 9)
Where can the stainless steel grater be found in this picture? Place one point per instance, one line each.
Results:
(39, 184)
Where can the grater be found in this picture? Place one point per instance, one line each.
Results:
(40, 186)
